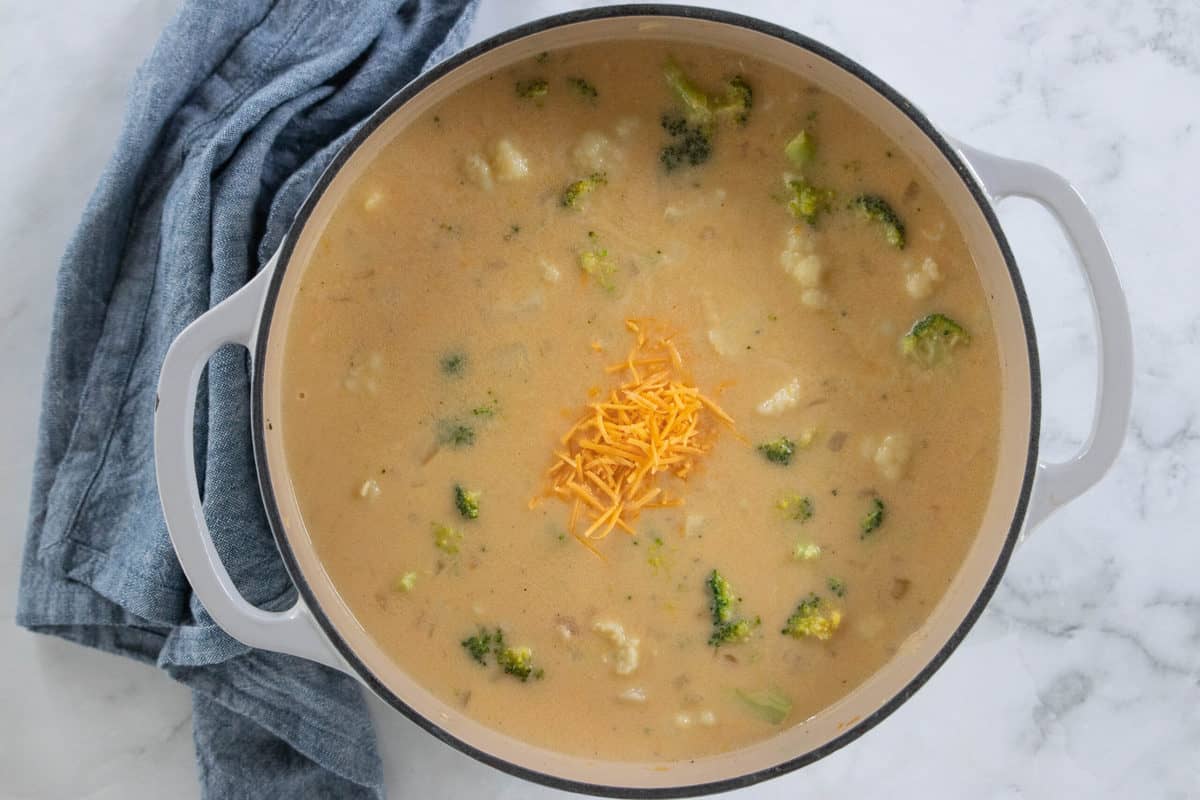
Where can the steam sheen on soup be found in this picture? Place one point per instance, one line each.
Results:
(640, 400)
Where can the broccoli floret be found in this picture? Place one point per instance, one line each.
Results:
(875, 208)
(739, 99)
(446, 539)
(691, 145)
(727, 629)
(406, 582)
(596, 263)
(453, 364)
(479, 645)
(873, 518)
(467, 502)
(518, 662)
(796, 506)
(583, 88)
(932, 338)
(778, 451)
(837, 586)
(801, 149)
(574, 194)
(691, 135)
(532, 89)
(489, 409)
(806, 551)
(723, 598)
(808, 202)
(701, 108)
(769, 705)
(694, 99)
(812, 618)
(455, 433)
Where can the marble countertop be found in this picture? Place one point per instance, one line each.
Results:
(1082, 679)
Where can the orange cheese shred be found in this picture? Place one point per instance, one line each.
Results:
(651, 425)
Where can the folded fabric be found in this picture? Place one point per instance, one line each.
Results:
(230, 121)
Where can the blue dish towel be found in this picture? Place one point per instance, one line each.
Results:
(230, 121)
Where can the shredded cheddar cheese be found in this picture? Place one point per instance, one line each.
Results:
(654, 423)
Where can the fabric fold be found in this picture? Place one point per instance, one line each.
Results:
(230, 122)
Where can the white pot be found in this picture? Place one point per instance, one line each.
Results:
(321, 628)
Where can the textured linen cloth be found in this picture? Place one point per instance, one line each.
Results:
(230, 121)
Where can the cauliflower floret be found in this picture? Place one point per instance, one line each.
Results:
(919, 282)
(550, 273)
(720, 342)
(508, 162)
(635, 694)
(890, 455)
(373, 200)
(814, 298)
(478, 171)
(595, 153)
(626, 646)
(786, 398)
(800, 260)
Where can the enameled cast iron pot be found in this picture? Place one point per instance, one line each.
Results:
(321, 628)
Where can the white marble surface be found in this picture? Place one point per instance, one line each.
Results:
(1083, 677)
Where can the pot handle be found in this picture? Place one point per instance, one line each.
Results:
(233, 321)
(1058, 484)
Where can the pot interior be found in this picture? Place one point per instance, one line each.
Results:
(920, 653)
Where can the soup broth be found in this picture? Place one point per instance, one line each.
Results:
(640, 400)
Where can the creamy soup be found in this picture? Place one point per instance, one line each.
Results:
(640, 400)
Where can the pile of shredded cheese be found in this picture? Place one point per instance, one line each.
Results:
(654, 423)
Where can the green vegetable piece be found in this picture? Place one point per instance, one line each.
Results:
(694, 99)
(533, 89)
(583, 88)
(406, 582)
(801, 149)
(931, 339)
(489, 409)
(739, 99)
(806, 551)
(876, 209)
(573, 195)
(796, 506)
(454, 364)
(778, 451)
(446, 539)
(808, 202)
(837, 586)
(596, 263)
(479, 645)
(727, 629)
(455, 434)
(691, 135)
(655, 556)
(723, 598)
(518, 662)
(812, 618)
(690, 145)
(873, 518)
(467, 502)
(769, 705)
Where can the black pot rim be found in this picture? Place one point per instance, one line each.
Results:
(402, 97)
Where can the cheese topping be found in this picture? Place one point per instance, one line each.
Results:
(653, 423)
